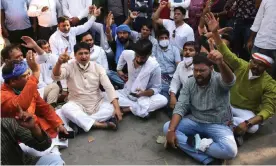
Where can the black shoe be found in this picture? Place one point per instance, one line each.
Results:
(239, 140)
(74, 127)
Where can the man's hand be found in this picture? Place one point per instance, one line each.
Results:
(62, 129)
(44, 9)
(211, 21)
(95, 11)
(63, 58)
(241, 129)
(25, 119)
(171, 138)
(214, 55)
(32, 64)
(123, 76)
(29, 42)
(5, 32)
(163, 4)
(173, 101)
(118, 114)
(225, 30)
(109, 20)
(133, 15)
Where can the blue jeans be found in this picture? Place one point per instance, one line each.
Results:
(115, 79)
(223, 147)
(50, 159)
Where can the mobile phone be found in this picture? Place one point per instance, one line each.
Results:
(70, 135)
(133, 94)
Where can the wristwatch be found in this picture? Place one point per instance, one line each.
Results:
(248, 124)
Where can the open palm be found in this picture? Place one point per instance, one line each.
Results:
(211, 21)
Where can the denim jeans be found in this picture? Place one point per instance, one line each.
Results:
(115, 79)
(223, 147)
(50, 159)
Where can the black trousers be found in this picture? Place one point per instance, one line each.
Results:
(15, 36)
(46, 32)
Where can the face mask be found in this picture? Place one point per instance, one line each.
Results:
(188, 61)
(250, 75)
(164, 43)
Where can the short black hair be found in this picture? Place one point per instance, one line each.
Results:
(41, 42)
(148, 24)
(81, 45)
(182, 10)
(202, 58)
(143, 47)
(62, 19)
(79, 37)
(163, 31)
(192, 43)
(5, 53)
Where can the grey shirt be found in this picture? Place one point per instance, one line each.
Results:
(209, 104)
(116, 7)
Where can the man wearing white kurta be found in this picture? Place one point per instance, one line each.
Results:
(87, 105)
(141, 92)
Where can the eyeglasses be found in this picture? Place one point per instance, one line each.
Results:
(173, 35)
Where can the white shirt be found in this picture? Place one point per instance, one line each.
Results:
(47, 63)
(180, 76)
(265, 25)
(58, 43)
(76, 8)
(183, 33)
(97, 54)
(49, 17)
(16, 17)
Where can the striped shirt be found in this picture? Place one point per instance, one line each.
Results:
(209, 104)
(11, 134)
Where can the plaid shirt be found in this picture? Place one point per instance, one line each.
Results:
(11, 153)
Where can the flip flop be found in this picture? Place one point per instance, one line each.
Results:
(114, 121)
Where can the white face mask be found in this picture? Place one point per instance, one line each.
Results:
(250, 75)
(188, 61)
(164, 43)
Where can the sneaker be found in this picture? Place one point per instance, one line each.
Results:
(239, 140)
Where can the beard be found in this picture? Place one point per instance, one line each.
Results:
(123, 40)
(140, 63)
(201, 81)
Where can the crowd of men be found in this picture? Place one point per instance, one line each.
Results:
(208, 64)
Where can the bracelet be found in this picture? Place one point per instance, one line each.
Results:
(169, 130)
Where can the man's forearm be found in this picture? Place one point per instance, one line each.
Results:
(128, 21)
(174, 122)
(108, 33)
(38, 50)
(57, 70)
(256, 120)
(252, 36)
(115, 104)
(226, 73)
(216, 37)
(156, 15)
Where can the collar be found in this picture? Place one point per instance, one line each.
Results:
(250, 75)
(82, 67)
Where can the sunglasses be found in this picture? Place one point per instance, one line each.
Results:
(173, 35)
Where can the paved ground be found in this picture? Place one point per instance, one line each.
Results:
(135, 143)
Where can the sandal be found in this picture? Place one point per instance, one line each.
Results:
(110, 126)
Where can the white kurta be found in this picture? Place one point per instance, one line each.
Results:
(138, 79)
(87, 103)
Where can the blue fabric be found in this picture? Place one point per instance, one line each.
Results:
(223, 147)
(19, 69)
(119, 46)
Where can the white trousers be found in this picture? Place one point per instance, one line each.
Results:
(240, 115)
(155, 102)
(56, 143)
(75, 112)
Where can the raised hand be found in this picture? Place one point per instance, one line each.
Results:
(29, 42)
(214, 55)
(96, 11)
(163, 4)
(211, 21)
(109, 19)
(133, 14)
(30, 56)
(63, 58)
